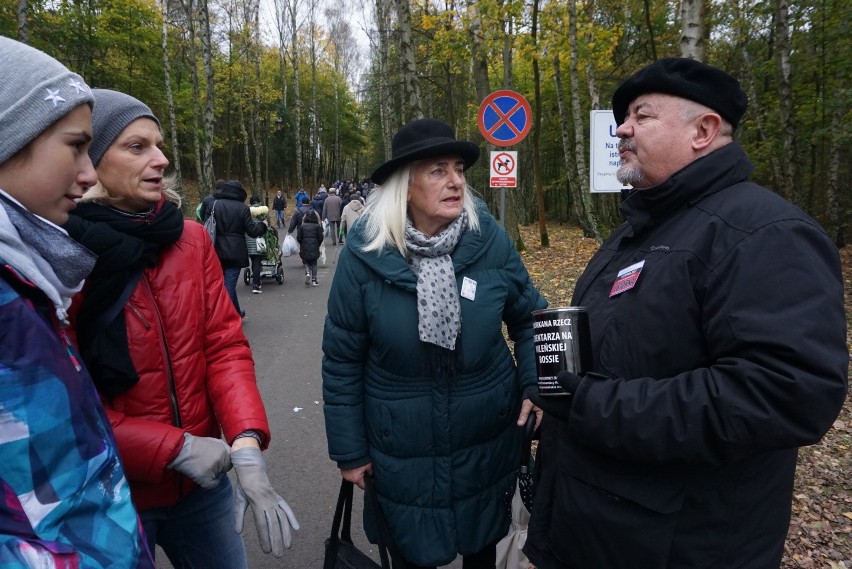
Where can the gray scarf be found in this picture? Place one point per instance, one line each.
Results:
(438, 306)
(43, 253)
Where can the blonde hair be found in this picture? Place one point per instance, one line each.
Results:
(100, 194)
(387, 210)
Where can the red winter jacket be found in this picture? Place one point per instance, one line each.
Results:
(194, 363)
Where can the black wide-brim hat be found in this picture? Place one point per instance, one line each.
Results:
(423, 138)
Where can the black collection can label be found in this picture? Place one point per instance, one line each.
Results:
(562, 343)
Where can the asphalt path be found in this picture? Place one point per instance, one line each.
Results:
(284, 326)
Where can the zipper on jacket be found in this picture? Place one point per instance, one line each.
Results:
(176, 420)
(138, 314)
(69, 349)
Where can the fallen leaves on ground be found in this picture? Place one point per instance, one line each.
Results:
(820, 534)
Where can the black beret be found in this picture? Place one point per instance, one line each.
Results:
(685, 78)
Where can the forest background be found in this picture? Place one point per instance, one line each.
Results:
(295, 93)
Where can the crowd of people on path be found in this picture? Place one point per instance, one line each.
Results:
(718, 341)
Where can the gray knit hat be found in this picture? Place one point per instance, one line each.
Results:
(113, 112)
(35, 92)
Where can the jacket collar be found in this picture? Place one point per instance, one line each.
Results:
(726, 166)
(390, 265)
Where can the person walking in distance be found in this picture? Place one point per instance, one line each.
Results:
(309, 235)
(331, 210)
(279, 204)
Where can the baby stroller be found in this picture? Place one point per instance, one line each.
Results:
(270, 265)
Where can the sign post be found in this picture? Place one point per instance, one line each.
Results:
(505, 119)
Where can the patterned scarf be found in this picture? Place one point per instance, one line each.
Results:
(438, 306)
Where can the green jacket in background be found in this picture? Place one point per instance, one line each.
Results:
(444, 445)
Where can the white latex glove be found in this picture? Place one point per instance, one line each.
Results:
(203, 459)
(272, 515)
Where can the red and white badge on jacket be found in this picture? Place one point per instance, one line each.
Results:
(626, 278)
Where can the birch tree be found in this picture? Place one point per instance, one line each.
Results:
(23, 21)
(207, 176)
(409, 65)
(692, 15)
(170, 101)
(785, 100)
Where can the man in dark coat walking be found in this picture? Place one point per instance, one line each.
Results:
(719, 348)
(279, 204)
(331, 211)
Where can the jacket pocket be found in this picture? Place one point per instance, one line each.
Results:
(587, 520)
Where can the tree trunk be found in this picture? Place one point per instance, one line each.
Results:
(785, 99)
(508, 30)
(588, 219)
(651, 41)
(297, 101)
(409, 65)
(207, 177)
(835, 215)
(314, 142)
(23, 21)
(189, 10)
(170, 101)
(478, 54)
(382, 23)
(258, 52)
(536, 134)
(692, 15)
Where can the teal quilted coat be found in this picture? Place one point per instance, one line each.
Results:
(444, 444)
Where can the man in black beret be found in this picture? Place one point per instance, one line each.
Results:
(719, 348)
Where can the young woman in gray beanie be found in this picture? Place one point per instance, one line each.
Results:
(65, 498)
(168, 354)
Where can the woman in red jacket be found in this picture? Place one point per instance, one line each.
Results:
(168, 355)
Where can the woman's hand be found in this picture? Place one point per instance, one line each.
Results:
(356, 475)
(526, 408)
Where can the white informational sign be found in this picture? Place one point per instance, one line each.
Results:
(603, 153)
(504, 169)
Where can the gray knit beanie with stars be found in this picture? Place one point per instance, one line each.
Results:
(113, 112)
(35, 92)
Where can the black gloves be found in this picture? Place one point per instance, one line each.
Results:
(559, 406)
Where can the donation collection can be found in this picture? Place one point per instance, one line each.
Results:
(562, 343)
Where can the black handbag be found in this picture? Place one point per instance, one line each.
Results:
(340, 552)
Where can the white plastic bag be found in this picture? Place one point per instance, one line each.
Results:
(325, 228)
(322, 258)
(290, 246)
(260, 243)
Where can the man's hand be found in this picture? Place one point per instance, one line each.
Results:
(559, 406)
(203, 459)
(272, 514)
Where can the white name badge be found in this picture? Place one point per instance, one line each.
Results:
(468, 289)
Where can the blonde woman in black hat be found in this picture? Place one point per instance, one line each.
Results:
(168, 354)
(420, 389)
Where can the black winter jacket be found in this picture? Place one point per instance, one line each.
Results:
(727, 354)
(233, 223)
(309, 236)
